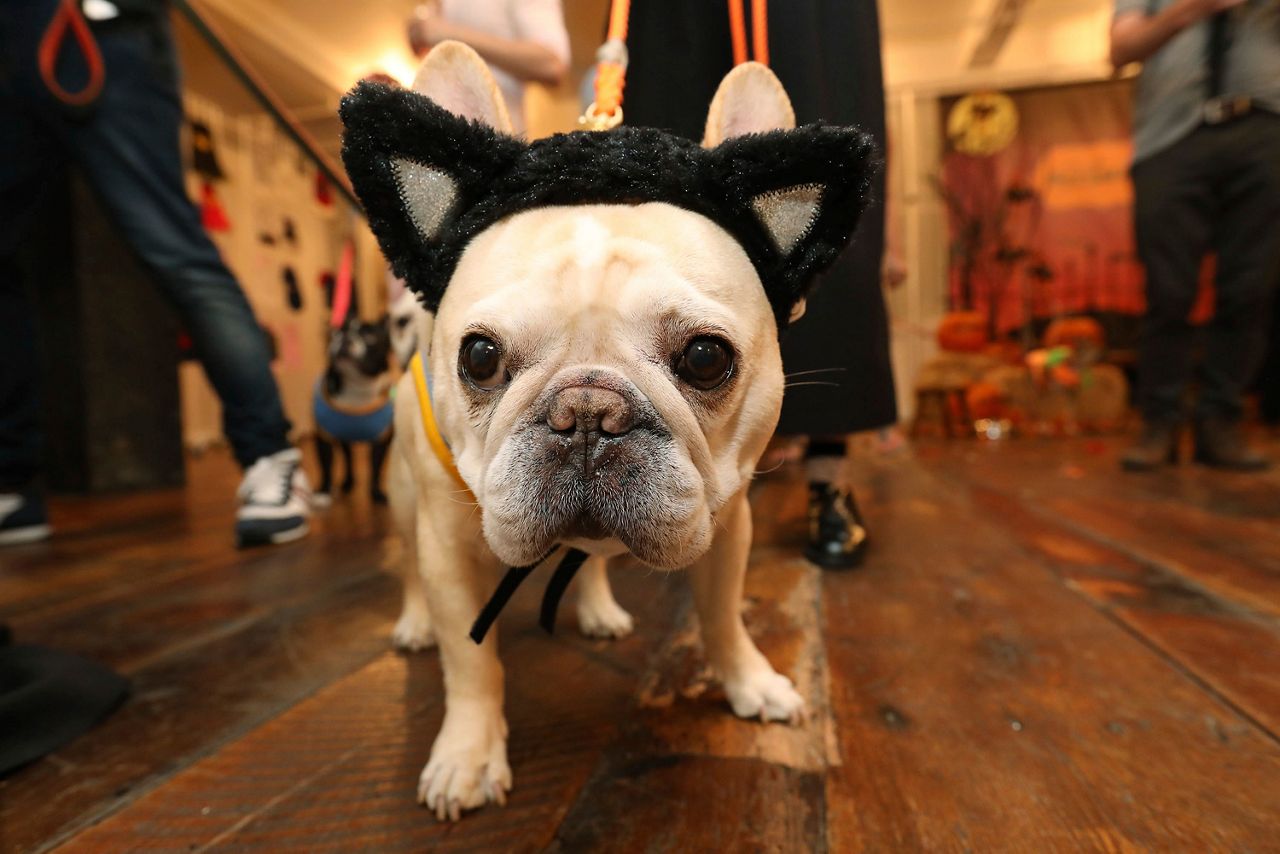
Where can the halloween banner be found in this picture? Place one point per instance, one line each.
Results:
(1039, 203)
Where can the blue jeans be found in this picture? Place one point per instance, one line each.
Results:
(127, 145)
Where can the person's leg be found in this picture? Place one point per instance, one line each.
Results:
(1173, 216)
(130, 152)
(837, 535)
(20, 441)
(1247, 240)
(26, 152)
(1268, 382)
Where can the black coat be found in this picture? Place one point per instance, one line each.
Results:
(827, 54)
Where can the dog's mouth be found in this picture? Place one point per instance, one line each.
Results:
(641, 491)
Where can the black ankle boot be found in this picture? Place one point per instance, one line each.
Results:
(1157, 445)
(1221, 444)
(837, 536)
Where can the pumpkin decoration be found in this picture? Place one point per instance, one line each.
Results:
(984, 400)
(963, 332)
(1079, 333)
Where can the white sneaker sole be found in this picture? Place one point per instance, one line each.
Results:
(291, 535)
(29, 534)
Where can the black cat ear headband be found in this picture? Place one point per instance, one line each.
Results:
(431, 181)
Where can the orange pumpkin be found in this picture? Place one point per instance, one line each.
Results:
(1076, 332)
(963, 332)
(984, 400)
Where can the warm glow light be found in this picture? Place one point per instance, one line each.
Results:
(397, 63)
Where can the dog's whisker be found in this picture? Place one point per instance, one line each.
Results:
(780, 464)
(811, 382)
(815, 371)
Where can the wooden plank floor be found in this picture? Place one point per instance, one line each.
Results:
(1041, 654)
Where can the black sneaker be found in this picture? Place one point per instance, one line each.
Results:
(837, 536)
(1221, 444)
(22, 518)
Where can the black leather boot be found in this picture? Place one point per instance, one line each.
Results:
(1157, 445)
(1220, 444)
(837, 536)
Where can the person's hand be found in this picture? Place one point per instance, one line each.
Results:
(426, 27)
(1209, 8)
(894, 272)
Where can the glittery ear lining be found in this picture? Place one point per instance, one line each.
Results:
(789, 214)
(427, 193)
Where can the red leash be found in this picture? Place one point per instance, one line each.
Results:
(68, 16)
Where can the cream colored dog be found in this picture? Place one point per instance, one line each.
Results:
(607, 376)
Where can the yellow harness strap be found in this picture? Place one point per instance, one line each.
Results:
(434, 439)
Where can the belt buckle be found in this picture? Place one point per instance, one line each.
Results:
(1224, 108)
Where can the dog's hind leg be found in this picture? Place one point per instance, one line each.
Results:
(599, 614)
(754, 688)
(413, 630)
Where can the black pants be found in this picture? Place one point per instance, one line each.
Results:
(1217, 189)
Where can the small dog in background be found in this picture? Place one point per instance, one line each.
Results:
(353, 403)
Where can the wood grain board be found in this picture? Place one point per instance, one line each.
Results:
(1041, 653)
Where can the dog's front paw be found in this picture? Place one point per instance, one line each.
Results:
(603, 618)
(468, 767)
(762, 693)
(412, 632)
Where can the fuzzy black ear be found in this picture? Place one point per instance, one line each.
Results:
(803, 190)
(416, 168)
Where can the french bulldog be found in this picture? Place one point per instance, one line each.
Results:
(351, 404)
(603, 364)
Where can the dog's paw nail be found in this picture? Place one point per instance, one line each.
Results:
(765, 695)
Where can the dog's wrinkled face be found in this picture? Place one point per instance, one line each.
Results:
(605, 373)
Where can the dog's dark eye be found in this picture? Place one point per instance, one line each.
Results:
(706, 363)
(481, 362)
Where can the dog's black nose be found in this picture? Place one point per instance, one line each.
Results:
(590, 409)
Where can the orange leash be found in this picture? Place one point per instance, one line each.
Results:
(759, 31)
(605, 112)
(68, 16)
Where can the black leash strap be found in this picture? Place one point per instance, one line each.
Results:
(564, 573)
(559, 582)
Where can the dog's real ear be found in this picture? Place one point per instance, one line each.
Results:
(455, 77)
(418, 158)
(750, 99)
